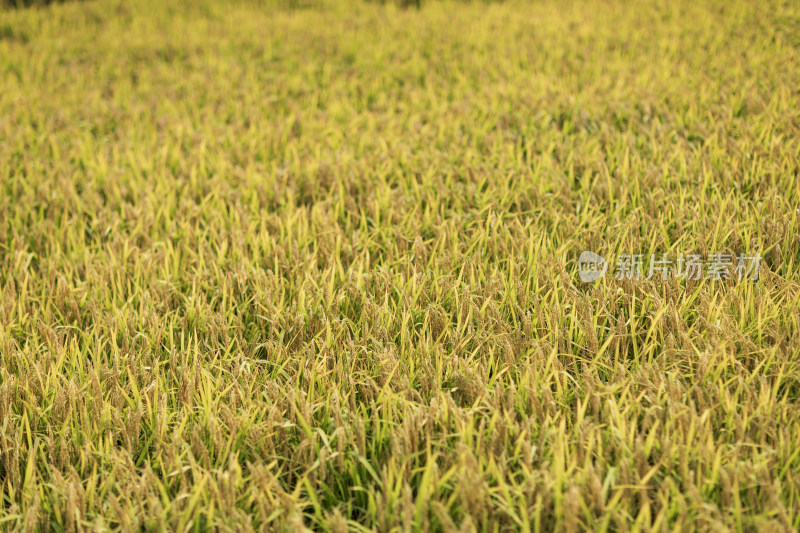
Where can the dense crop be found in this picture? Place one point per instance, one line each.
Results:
(271, 268)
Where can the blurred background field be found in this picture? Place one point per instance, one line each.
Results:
(282, 265)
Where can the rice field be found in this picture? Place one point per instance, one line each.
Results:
(315, 265)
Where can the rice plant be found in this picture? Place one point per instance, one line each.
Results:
(273, 267)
